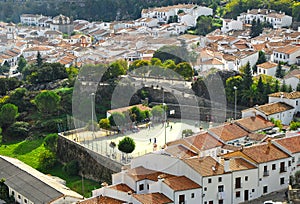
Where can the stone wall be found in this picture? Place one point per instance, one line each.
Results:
(92, 165)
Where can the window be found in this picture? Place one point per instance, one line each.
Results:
(282, 181)
(221, 188)
(192, 195)
(290, 163)
(25, 200)
(181, 199)
(253, 190)
(221, 201)
(265, 189)
(148, 186)
(237, 194)
(13, 193)
(141, 187)
(205, 202)
(220, 179)
(238, 182)
(205, 189)
(273, 166)
(282, 167)
(19, 197)
(246, 178)
(209, 180)
(266, 172)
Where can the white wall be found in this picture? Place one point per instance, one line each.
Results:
(210, 190)
(188, 196)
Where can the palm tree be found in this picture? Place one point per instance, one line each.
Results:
(249, 96)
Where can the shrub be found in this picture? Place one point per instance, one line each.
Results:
(18, 130)
(126, 145)
(71, 168)
(47, 160)
(50, 142)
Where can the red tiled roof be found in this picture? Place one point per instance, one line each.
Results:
(152, 198)
(290, 143)
(121, 187)
(181, 183)
(101, 200)
(264, 153)
(204, 141)
(272, 108)
(205, 166)
(255, 123)
(141, 173)
(229, 132)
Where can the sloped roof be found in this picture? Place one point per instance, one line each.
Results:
(272, 108)
(32, 184)
(290, 143)
(292, 95)
(152, 198)
(255, 123)
(229, 131)
(181, 183)
(101, 200)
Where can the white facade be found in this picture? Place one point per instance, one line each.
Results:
(286, 54)
(293, 81)
(230, 24)
(30, 19)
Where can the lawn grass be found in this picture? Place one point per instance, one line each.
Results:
(28, 152)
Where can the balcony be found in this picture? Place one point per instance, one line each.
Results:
(283, 169)
(266, 173)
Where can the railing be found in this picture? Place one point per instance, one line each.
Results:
(266, 173)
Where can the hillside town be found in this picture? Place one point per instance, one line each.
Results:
(238, 161)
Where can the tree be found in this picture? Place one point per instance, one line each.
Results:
(50, 142)
(126, 145)
(104, 123)
(260, 91)
(71, 168)
(21, 64)
(247, 77)
(284, 87)
(8, 114)
(176, 53)
(156, 62)
(290, 89)
(249, 95)
(185, 70)
(232, 82)
(276, 87)
(279, 71)
(39, 60)
(136, 114)
(298, 86)
(157, 111)
(47, 159)
(261, 57)
(117, 119)
(47, 102)
(294, 125)
(256, 28)
(267, 91)
(18, 129)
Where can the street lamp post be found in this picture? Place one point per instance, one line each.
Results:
(235, 99)
(165, 115)
(92, 101)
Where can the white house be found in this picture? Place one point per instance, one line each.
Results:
(230, 24)
(268, 68)
(293, 99)
(29, 186)
(277, 20)
(277, 110)
(30, 19)
(148, 22)
(286, 54)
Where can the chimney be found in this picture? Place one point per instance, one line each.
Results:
(226, 165)
(269, 143)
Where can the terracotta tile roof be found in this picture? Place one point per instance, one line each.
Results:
(290, 143)
(213, 61)
(230, 147)
(229, 132)
(205, 166)
(141, 173)
(184, 143)
(267, 65)
(204, 141)
(181, 183)
(180, 151)
(121, 187)
(292, 73)
(101, 200)
(272, 108)
(152, 198)
(256, 136)
(123, 109)
(238, 164)
(259, 47)
(289, 49)
(263, 153)
(292, 95)
(255, 123)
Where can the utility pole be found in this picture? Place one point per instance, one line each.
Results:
(235, 99)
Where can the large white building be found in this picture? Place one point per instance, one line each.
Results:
(288, 54)
(185, 13)
(277, 20)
